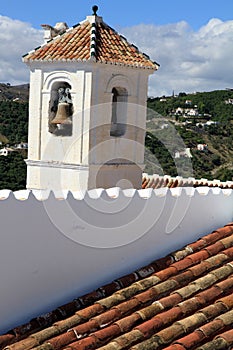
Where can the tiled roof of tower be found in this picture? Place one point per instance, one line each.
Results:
(156, 181)
(93, 40)
(183, 301)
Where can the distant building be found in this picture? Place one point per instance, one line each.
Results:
(229, 101)
(202, 147)
(208, 123)
(5, 151)
(183, 154)
(192, 112)
(187, 111)
(164, 126)
(22, 145)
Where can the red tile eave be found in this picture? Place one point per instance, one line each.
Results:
(185, 298)
(152, 181)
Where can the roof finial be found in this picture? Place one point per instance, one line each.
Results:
(94, 9)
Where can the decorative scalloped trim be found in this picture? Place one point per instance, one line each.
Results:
(114, 193)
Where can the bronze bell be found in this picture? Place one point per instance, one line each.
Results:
(62, 115)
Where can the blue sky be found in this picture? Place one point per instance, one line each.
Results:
(119, 13)
(192, 40)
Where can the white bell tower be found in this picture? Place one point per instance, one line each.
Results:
(87, 108)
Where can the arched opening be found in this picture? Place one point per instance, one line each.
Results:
(60, 109)
(119, 111)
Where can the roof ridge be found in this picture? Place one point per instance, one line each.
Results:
(93, 39)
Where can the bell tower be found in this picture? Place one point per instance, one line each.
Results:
(87, 108)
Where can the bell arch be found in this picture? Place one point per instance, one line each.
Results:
(121, 81)
(60, 109)
(119, 112)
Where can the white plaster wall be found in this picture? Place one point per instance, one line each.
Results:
(57, 176)
(90, 143)
(122, 175)
(45, 146)
(128, 148)
(35, 105)
(55, 250)
(103, 147)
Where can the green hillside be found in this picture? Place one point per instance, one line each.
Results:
(215, 108)
(167, 133)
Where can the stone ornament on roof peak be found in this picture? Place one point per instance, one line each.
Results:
(95, 9)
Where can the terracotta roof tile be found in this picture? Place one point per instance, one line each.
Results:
(87, 343)
(127, 280)
(183, 278)
(189, 306)
(127, 339)
(191, 322)
(150, 311)
(146, 296)
(146, 271)
(170, 300)
(6, 339)
(76, 44)
(199, 256)
(89, 312)
(202, 267)
(107, 317)
(127, 323)
(215, 248)
(65, 324)
(164, 262)
(166, 273)
(156, 181)
(229, 252)
(167, 335)
(182, 301)
(150, 327)
(63, 340)
(211, 328)
(190, 340)
(217, 260)
(128, 306)
(227, 301)
(199, 244)
(222, 341)
(228, 337)
(175, 347)
(227, 318)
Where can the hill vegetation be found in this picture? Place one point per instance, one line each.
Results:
(170, 131)
(198, 119)
(14, 93)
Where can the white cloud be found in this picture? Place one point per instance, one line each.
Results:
(16, 39)
(190, 61)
